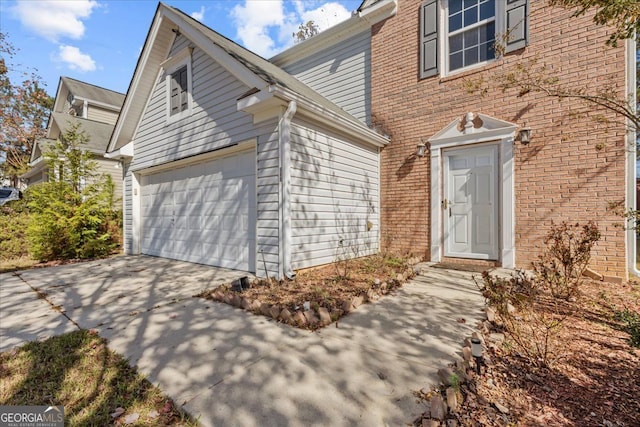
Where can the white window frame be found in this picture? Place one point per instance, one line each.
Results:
(171, 65)
(443, 36)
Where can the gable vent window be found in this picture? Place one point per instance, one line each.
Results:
(456, 34)
(178, 75)
(179, 91)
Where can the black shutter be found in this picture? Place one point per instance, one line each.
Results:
(517, 19)
(429, 39)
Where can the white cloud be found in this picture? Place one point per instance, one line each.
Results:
(75, 59)
(54, 19)
(266, 28)
(199, 16)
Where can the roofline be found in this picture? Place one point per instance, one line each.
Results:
(312, 110)
(142, 58)
(223, 58)
(358, 22)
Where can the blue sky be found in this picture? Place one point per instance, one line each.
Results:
(99, 41)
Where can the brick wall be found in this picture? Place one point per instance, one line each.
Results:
(572, 169)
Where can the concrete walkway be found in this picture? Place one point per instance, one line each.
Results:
(229, 367)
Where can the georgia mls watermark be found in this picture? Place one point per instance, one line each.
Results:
(31, 416)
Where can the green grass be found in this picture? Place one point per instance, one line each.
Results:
(78, 371)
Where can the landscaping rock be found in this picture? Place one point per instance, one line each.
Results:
(437, 409)
(466, 354)
(245, 303)
(285, 315)
(255, 305)
(236, 301)
(430, 423)
(496, 338)
(501, 408)
(274, 312)
(491, 314)
(300, 319)
(357, 301)
(510, 308)
(325, 317)
(371, 295)
(227, 299)
(217, 296)
(452, 399)
(400, 278)
(347, 306)
(445, 375)
(265, 309)
(376, 282)
(452, 423)
(312, 319)
(592, 274)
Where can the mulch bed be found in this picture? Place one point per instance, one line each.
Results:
(319, 296)
(593, 379)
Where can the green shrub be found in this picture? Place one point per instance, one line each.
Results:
(72, 215)
(631, 324)
(14, 218)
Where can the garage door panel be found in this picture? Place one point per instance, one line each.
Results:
(202, 213)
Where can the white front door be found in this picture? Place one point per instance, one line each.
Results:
(470, 204)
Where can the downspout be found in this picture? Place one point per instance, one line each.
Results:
(284, 128)
(631, 141)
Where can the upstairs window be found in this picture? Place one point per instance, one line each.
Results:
(179, 91)
(178, 77)
(456, 34)
(471, 32)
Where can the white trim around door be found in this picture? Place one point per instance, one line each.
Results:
(480, 132)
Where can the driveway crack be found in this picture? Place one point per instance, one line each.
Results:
(43, 296)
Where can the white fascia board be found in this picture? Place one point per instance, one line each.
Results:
(357, 23)
(464, 139)
(277, 96)
(124, 152)
(235, 67)
(137, 76)
(98, 103)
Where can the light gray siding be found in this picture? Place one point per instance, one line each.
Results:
(268, 192)
(335, 197)
(341, 73)
(102, 115)
(214, 121)
(127, 215)
(108, 167)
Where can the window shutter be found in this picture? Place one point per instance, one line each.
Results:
(429, 39)
(174, 94)
(517, 20)
(184, 92)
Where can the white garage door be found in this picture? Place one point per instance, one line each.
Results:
(203, 213)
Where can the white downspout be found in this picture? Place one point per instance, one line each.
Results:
(631, 142)
(284, 128)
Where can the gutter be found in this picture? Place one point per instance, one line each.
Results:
(284, 129)
(631, 142)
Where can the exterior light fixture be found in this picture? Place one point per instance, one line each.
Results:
(421, 148)
(476, 352)
(525, 135)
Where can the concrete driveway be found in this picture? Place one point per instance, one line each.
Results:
(229, 367)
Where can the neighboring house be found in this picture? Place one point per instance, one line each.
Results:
(480, 192)
(97, 110)
(235, 161)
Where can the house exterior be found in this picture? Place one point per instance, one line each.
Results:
(96, 109)
(480, 193)
(235, 161)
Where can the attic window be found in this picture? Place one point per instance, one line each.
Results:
(179, 91)
(178, 85)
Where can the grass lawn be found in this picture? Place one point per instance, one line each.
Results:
(96, 386)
